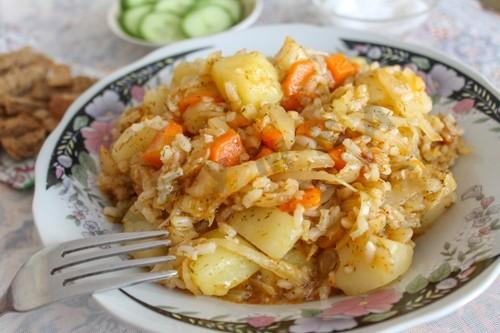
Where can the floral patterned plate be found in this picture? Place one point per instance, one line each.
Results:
(455, 261)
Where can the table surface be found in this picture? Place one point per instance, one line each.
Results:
(459, 28)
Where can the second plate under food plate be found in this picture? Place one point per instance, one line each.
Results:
(454, 262)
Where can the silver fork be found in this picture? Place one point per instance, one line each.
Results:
(44, 278)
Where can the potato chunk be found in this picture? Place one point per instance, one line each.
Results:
(185, 71)
(271, 230)
(134, 221)
(136, 138)
(217, 272)
(283, 122)
(247, 79)
(290, 53)
(357, 274)
(401, 91)
(444, 199)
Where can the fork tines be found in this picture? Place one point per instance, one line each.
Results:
(67, 255)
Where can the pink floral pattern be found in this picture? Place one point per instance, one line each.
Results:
(98, 134)
(466, 273)
(137, 93)
(19, 175)
(447, 284)
(341, 315)
(463, 107)
(486, 202)
(105, 106)
(260, 321)
(357, 306)
(485, 230)
(59, 171)
(443, 81)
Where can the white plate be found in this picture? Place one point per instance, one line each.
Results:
(454, 262)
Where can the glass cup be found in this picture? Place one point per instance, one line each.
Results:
(384, 16)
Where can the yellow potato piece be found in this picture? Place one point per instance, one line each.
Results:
(283, 122)
(402, 92)
(185, 71)
(445, 198)
(134, 221)
(290, 53)
(247, 79)
(356, 274)
(136, 138)
(216, 273)
(271, 230)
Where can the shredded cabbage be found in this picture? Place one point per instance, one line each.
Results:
(237, 177)
(361, 225)
(316, 175)
(279, 267)
(186, 277)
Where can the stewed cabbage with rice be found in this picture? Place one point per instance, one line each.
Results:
(283, 179)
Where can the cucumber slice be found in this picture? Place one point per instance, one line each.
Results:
(161, 28)
(131, 19)
(126, 4)
(233, 7)
(179, 7)
(205, 21)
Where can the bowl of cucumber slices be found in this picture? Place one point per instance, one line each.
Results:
(159, 22)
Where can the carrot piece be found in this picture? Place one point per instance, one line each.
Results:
(297, 77)
(272, 137)
(239, 121)
(305, 127)
(151, 155)
(361, 175)
(310, 199)
(291, 103)
(264, 151)
(197, 97)
(289, 206)
(227, 148)
(336, 155)
(340, 67)
(294, 102)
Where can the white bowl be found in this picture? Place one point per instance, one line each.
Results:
(454, 261)
(363, 15)
(252, 9)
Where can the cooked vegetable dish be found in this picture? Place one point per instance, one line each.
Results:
(283, 179)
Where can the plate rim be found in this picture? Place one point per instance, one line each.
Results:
(432, 312)
(425, 314)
